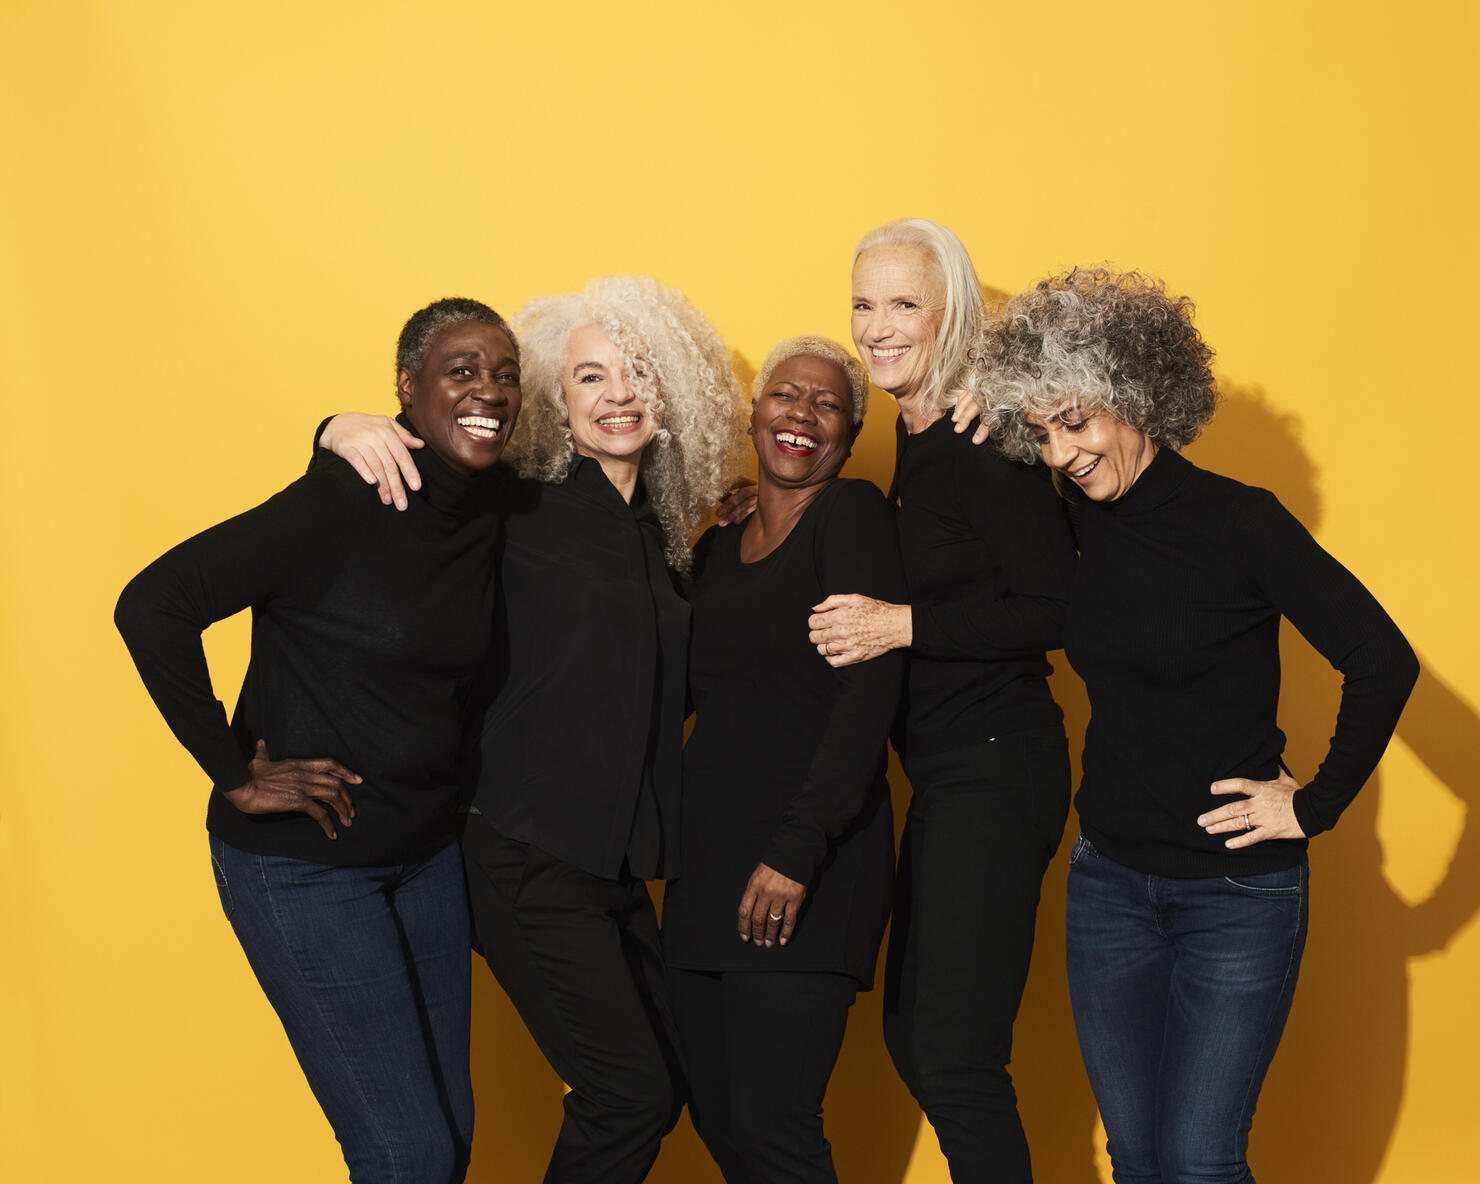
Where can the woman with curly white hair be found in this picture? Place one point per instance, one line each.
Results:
(788, 837)
(987, 559)
(631, 414)
(1188, 884)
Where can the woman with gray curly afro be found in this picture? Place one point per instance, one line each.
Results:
(630, 415)
(1188, 884)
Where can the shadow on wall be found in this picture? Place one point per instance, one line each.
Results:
(1331, 1102)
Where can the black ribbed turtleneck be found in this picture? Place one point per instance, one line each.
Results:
(367, 626)
(1174, 626)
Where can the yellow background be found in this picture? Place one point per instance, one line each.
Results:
(216, 217)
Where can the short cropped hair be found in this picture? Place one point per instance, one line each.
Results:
(676, 363)
(411, 346)
(950, 365)
(1095, 339)
(817, 347)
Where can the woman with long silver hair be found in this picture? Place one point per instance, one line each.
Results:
(988, 557)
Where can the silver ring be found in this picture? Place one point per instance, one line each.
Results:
(774, 917)
(1246, 823)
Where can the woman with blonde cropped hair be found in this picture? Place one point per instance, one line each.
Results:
(788, 838)
(988, 557)
(1188, 884)
(632, 414)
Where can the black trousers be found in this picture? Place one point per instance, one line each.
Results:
(760, 1047)
(982, 827)
(579, 957)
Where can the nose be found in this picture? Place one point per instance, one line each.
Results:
(487, 389)
(1055, 450)
(620, 389)
(802, 410)
(877, 326)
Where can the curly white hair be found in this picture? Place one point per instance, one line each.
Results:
(678, 365)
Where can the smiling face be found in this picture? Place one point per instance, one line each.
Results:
(1099, 453)
(608, 417)
(465, 398)
(899, 301)
(803, 422)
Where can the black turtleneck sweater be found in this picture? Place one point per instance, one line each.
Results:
(988, 556)
(1174, 626)
(367, 627)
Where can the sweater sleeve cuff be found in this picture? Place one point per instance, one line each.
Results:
(1305, 814)
(793, 857)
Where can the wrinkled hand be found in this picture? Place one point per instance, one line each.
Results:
(850, 628)
(965, 410)
(1269, 807)
(738, 502)
(769, 908)
(312, 787)
(377, 446)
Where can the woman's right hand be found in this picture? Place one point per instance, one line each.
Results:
(312, 787)
(377, 446)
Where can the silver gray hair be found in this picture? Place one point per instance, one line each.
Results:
(677, 365)
(951, 361)
(1095, 339)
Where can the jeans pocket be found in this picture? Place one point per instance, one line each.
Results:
(1289, 881)
(1081, 847)
(218, 869)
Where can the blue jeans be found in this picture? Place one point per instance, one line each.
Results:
(1180, 990)
(369, 970)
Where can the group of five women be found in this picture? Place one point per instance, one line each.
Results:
(504, 670)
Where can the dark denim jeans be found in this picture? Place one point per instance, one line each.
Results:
(1180, 991)
(369, 970)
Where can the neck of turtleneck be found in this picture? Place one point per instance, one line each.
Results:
(444, 490)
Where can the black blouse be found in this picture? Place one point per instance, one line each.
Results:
(785, 765)
(582, 733)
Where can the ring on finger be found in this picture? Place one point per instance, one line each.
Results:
(1246, 823)
(775, 917)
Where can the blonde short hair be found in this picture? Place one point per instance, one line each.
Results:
(679, 367)
(817, 347)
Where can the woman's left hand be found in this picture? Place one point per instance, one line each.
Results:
(1266, 812)
(851, 628)
(769, 908)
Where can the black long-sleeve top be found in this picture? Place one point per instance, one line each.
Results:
(583, 730)
(367, 629)
(988, 555)
(1174, 627)
(785, 765)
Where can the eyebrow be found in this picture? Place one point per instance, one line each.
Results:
(579, 366)
(822, 390)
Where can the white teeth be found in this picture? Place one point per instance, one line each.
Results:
(484, 427)
(1084, 472)
(619, 421)
(893, 352)
(796, 441)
